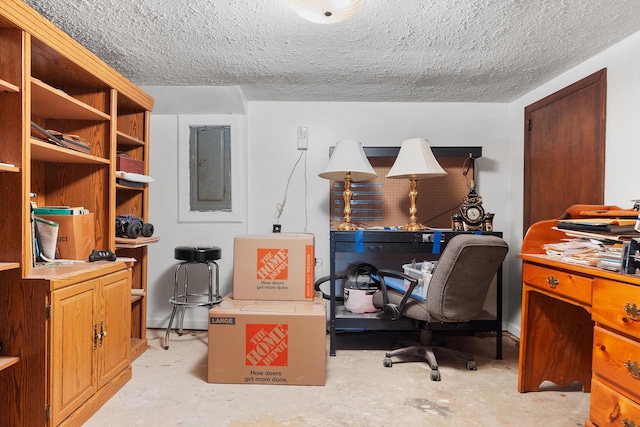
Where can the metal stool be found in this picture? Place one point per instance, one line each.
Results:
(191, 256)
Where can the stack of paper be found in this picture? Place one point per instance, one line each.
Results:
(577, 251)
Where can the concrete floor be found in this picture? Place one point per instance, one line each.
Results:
(169, 388)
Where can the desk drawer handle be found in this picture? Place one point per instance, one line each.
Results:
(627, 423)
(552, 281)
(633, 368)
(632, 311)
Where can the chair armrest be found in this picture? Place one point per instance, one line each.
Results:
(395, 312)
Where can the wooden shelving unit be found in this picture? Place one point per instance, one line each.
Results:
(46, 152)
(4, 266)
(5, 362)
(53, 103)
(49, 79)
(8, 87)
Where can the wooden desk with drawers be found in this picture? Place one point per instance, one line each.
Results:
(581, 324)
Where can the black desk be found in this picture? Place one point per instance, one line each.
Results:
(396, 248)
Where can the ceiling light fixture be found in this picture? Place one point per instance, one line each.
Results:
(327, 11)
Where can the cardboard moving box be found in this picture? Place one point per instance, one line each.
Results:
(267, 342)
(278, 267)
(76, 235)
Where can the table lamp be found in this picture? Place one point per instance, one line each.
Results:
(349, 163)
(415, 161)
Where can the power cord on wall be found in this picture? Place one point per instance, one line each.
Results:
(280, 206)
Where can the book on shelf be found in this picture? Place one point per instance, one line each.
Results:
(598, 225)
(60, 210)
(73, 141)
(612, 237)
(60, 140)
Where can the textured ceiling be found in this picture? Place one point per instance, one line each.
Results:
(394, 50)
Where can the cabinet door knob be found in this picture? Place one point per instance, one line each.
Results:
(102, 333)
(96, 336)
(552, 281)
(632, 311)
(633, 368)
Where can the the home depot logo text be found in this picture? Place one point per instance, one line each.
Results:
(267, 345)
(273, 264)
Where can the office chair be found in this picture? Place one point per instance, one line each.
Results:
(455, 294)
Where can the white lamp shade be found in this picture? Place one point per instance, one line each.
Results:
(415, 160)
(327, 11)
(348, 157)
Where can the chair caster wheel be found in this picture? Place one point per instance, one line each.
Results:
(387, 363)
(435, 375)
(471, 365)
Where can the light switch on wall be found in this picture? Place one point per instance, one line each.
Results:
(302, 138)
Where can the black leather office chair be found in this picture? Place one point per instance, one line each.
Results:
(456, 293)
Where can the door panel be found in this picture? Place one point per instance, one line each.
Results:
(73, 379)
(114, 321)
(565, 150)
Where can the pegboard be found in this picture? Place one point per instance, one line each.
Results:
(384, 202)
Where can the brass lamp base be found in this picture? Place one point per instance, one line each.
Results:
(413, 227)
(347, 226)
(413, 224)
(346, 195)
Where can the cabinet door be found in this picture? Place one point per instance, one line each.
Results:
(114, 321)
(73, 378)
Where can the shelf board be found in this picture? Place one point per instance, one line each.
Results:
(125, 139)
(53, 103)
(5, 361)
(4, 266)
(138, 346)
(124, 187)
(124, 243)
(135, 298)
(44, 151)
(5, 86)
(8, 168)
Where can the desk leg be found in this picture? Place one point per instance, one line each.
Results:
(332, 298)
(499, 314)
(555, 343)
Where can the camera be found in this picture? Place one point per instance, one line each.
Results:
(131, 227)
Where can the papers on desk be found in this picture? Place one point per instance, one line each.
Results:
(576, 251)
(588, 252)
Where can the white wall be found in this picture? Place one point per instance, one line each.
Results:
(272, 153)
(623, 114)
(163, 214)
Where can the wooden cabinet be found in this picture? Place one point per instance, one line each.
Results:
(47, 312)
(89, 339)
(68, 325)
(616, 353)
(580, 323)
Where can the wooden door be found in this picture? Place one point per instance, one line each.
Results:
(115, 325)
(73, 378)
(564, 150)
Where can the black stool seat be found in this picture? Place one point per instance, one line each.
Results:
(197, 253)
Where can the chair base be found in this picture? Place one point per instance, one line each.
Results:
(427, 353)
(184, 299)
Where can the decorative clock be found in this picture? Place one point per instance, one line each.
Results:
(471, 211)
